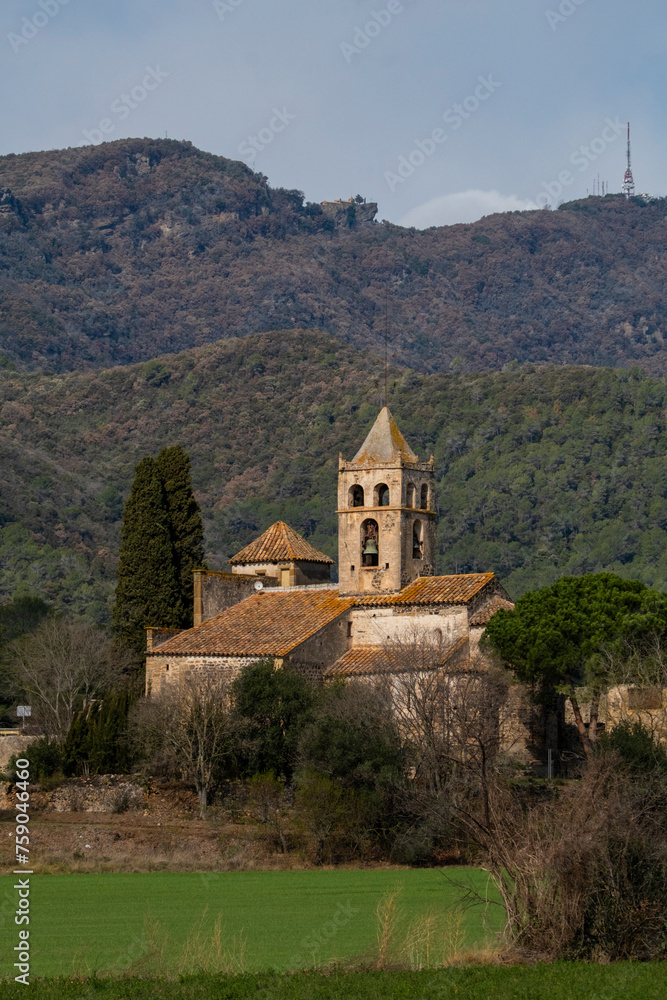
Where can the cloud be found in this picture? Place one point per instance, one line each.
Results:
(464, 206)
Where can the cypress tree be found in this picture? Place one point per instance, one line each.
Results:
(98, 737)
(187, 530)
(75, 747)
(148, 587)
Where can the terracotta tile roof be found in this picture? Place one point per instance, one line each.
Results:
(279, 543)
(267, 624)
(485, 614)
(364, 661)
(458, 589)
(384, 443)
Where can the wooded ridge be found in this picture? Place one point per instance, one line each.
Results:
(540, 471)
(115, 253)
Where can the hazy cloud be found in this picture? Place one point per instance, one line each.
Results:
(464, 206)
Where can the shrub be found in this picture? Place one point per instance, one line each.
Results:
(583, 874)
(45, 756)
(277, 704)
(636, 746)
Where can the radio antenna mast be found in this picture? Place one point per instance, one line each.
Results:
(628, 180)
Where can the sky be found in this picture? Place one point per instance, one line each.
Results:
(442, 111)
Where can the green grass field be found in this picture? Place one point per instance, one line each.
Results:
(561, 981)
(245, 921)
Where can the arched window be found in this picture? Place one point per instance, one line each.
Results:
(370, 543)
(424, 504)
(417, 541)
(382, 495)
(356, 497)
(411, 497)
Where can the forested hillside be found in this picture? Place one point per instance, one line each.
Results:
(116, 253)
(541, 470)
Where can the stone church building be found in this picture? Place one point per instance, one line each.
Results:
(278, 601)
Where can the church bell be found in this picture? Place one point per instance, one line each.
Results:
(370, 548)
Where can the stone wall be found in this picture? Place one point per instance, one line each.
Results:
(287, 574)
(321, 650)
(108, 793)
(628, 703)
(11, 744)
(165, 671)
(374, 627)
(215, 592)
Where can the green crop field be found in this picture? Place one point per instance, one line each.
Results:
(561, 981)
(246, 921)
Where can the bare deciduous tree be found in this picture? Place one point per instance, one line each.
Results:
(190, 729)
(453, 713)
(64, 665)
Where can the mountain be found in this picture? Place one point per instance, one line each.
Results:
(541, 470)
(113, 254)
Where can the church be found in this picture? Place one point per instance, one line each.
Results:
(278, 601)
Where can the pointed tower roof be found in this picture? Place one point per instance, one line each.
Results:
(279, 543)
(385, 443)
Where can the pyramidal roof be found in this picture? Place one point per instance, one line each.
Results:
(279, 543)
(385, 443)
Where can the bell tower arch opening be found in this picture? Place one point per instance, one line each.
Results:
(370, 543)
(417, 540)
(356, 496)
(382, 495)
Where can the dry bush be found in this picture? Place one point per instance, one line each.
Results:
(432, 939)
(581, 875)
(266, 796)
(205, 950)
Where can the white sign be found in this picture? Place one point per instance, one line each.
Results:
(24, 711)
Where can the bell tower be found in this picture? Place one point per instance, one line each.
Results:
(386, 514)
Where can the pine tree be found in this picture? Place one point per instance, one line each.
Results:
(187, 531)
(148, 587)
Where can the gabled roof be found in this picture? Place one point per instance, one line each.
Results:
(365, 661)
(458, 589)
(385, 443)
(279, 543)
(266, 624)
(485, 614)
